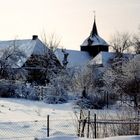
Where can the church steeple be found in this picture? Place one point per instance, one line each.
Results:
(94, 29)
(94, 44)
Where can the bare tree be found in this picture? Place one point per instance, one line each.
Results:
(121, 42)
(136, 41)
(124, 81)
(83, 78)
(10, 62)
(131, 78)
(52, 41)
(137, 44)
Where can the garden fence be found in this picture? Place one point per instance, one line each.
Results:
(89, 126)
(30, 130)
(92, 127)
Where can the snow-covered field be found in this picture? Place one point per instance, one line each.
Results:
(111, 138)
(24, 120)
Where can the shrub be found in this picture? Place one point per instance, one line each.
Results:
(95, 101)
(27, 92)
(7, 90)
(55, 95)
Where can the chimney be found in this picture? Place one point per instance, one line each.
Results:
(34, 37)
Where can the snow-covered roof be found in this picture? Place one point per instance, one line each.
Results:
(75, 58)
(27, 46)
(103, 58)
(95, 40)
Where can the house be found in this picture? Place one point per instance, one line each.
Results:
(28, 46)
(31, 55)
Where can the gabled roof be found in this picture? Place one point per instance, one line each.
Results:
(27, 46)
(103, 58)
(94, 39)
(75, 58)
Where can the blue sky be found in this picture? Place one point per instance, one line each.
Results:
(70, 20)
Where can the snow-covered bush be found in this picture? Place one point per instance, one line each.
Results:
(95, 100)
(55, 95)
(7, 90)
(17, 89)
(27, 92)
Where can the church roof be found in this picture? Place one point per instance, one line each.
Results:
(27, 46)
(103, 58)
(75, 58)
(94, 39)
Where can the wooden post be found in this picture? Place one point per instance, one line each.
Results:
(83, 127)
(130, 128)
(79, 127)
(48, 127)
(107, 98)
(138, 122)
(95, 136)
(88, 122)
(41, 92)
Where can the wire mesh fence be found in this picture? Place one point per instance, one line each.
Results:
(66, 127)
(30, 130)
(84, 126)
(20, 130)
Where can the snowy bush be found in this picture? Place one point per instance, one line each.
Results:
(123, 80)
(17, 89)
(96, 100)
(55, 95)
(84, 103)
(7, 90)
(27, 92)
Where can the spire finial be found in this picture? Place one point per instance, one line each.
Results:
(94, 29)
(94, 15)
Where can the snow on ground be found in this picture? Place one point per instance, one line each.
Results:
(27, 120)
(24, 118)
(110, 138)
(25, 110)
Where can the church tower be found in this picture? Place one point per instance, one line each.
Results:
(94, 43)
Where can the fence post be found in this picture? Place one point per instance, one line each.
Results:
(88, 121)
(79, 127)
(48, 127)
(107, 98)
(95, 136)
(138, 122)
(83, 127)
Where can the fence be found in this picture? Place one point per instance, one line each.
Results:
(92, 127)
(86, 126)
(30, 130)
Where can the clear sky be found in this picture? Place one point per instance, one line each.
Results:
(70, 20)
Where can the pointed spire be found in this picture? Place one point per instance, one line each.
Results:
(94, 29)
